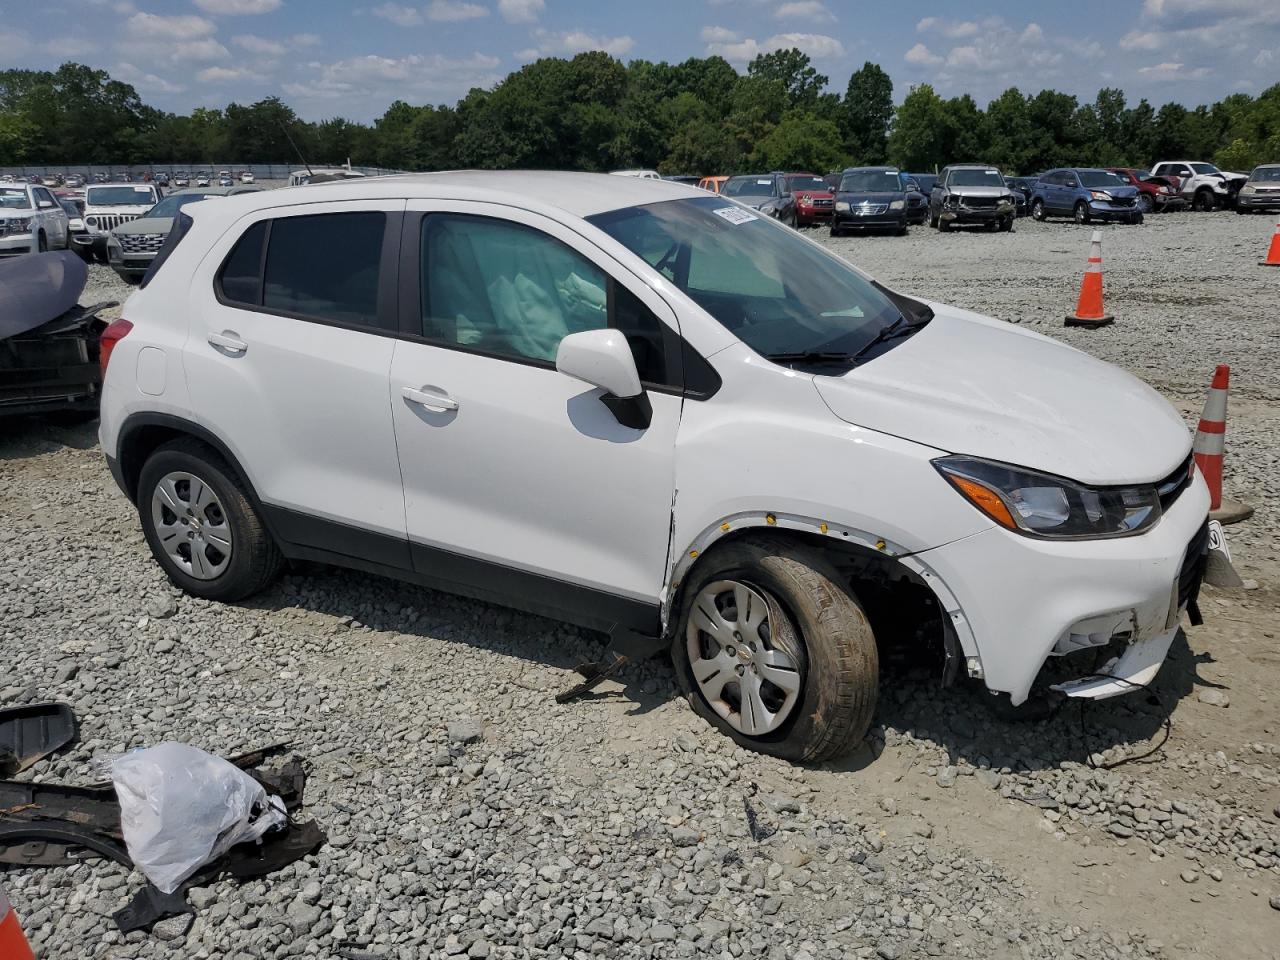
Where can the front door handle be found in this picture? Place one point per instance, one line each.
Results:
(228, 340)
(433, 398)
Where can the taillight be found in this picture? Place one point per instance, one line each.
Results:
(116, 331)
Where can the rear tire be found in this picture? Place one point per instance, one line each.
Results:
(813, 619)
(254, 559)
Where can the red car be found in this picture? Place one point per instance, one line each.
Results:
(814, 199)
(1155, 194)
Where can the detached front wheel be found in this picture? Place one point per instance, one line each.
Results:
(776, 653)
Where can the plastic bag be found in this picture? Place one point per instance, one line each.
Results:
(181, 808)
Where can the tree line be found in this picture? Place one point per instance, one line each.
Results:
(593, 112)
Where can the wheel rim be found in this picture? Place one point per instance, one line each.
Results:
(1037, 210)
(192, 525)
(743, 677)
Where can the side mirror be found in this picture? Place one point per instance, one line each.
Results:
(603, 359)
(44, 204)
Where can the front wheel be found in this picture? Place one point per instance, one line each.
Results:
(1145, 203)
(42, 242)
(201, 526)
(775, 652)
(1006, 224)
(1204, 201)
(1037, 210)
(933, 220)
(1081, 212)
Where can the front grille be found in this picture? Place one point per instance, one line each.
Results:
(1171, 487)
(1124, 201)
(869, 209)
(12, 227)
(1193, 565)
(980, 202)
(822, 202)
(140, 242)
(109, 221)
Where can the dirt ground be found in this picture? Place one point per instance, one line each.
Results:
(1145, 826)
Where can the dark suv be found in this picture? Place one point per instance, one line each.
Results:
(971, 193)
(1085, 194)
(871, 198)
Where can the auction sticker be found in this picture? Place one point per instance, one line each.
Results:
(735, 215)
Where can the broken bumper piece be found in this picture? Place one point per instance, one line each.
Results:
(1133, 669)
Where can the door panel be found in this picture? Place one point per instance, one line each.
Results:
(303, 404)
(523, 466)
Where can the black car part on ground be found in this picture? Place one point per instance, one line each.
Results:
(49, 825)
(34, 731)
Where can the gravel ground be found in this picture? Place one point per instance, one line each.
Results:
(469, 815)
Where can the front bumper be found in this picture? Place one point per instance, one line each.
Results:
(813, 214)
(1167, 202)
(95, 242)
(1255, 201)
(964, 214)
(14, 244)
(130, 265)
(889, 220)
(1102, 210)
(1016, 601)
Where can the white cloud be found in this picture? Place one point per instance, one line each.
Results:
(521, 11)
(263, 45)
(181, 27)
(362, 83)
(1032, 34)
(200, 51)
(954, 29)
(400, 16)
(1170, 70)
(804, 9)
(570, 42)
(718, 35)
(143, 81)
(227, 75)
(238, 7)
(922, 56)
(728, 45)
(1264, 58)
(1141, 40)
(304, 40)
(453, 11)
(68, 47)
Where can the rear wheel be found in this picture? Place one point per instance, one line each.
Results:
(1081, 212)
(1037, 210)
(775, 652)
(201, 526)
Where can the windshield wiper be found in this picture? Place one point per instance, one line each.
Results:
(899, 328)
(811, 356)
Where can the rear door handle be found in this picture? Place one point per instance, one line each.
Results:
(433, 398)
(228, 340)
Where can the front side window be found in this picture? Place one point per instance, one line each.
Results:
(774, 290)
(321, 267)
(1204, 168)
(510, 291)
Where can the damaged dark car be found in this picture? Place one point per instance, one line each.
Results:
(49, 343)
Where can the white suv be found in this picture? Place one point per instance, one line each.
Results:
(649, 410)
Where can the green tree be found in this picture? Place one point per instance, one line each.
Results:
(866, 115)
(791, 68)
(801, 140)
(920, 139)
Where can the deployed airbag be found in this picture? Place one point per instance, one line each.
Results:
(38, 287)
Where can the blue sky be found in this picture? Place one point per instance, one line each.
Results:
(329, 58)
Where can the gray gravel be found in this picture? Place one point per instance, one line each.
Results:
(470, 816)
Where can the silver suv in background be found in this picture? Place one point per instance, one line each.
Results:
(971, 193)
(1261, 191)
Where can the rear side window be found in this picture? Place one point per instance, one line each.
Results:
(323, 267)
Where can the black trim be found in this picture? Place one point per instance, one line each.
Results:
(634, 412)
(295, 529)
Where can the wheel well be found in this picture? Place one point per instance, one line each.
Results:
(139, 441)
(908, 621)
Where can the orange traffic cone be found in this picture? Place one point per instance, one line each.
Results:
(13, 943)
(1273, 254)
(1209, 448)
(1089, 312)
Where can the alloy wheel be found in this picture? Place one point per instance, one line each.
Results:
(751, 683)
(191, 525)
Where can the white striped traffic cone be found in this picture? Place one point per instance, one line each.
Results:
(1209, 448)
(1089, 309)
(13, 942)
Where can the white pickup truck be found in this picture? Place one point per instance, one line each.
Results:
(1203, 185)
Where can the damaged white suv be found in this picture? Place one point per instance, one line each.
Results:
(634, 406)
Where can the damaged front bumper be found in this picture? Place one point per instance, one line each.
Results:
(1016, 602)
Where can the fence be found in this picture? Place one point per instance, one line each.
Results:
(136, 171)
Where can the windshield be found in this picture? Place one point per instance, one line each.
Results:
(14, 199)
(1204, 168)
(748, 187)
(170, 205)
(1268, 174)
(120, 196)
(989, 177)
(1100, 178)
(795, 184)
(871, 181)
(742, 269)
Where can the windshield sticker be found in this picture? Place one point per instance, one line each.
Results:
(141, 189)
(764, 183)
(735, 215)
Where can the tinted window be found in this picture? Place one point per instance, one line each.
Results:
(325, 266)
(241, 276)
(749, 187)
(505, 289)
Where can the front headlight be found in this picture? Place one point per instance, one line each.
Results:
(1041, 505)
(897, 204)
(1248, 188)
(20, 224)
(842, 206)
(1100, 195)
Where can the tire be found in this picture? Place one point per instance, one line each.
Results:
(836, 232)
(821, 628)
(254, 559)
(943, 225)
(84, 254)
(900, 231)
(933, 220)
(42, 242)
(1038, 211)
(1137, 218)
(1006, 225)
(1080, 213)
(1241, 212)
(1145, 203)
(1204, 200)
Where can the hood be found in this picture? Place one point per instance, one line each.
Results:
(146, 225)
(815, 194)
(757, 203)
(1119, 193)
(970, 384)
